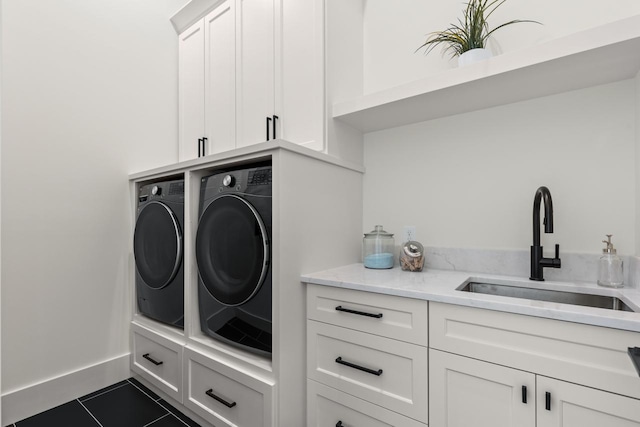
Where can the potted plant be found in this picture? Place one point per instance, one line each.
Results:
(467, 39)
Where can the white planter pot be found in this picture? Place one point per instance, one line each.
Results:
(473, 56)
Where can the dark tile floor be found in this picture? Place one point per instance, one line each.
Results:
(125, 404)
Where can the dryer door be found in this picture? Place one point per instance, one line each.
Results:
(157, 245)
(232, 250)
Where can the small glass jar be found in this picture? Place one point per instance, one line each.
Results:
(412, 256)
(378, 248)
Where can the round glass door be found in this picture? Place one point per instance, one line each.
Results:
(232, 250)
(157, 245)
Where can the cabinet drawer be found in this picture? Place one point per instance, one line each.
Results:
(328, 407)
(225, 396)
(583, 354)
(158, 359)
(389, 373)
(399, 318)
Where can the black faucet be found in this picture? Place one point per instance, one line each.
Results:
(538, 261)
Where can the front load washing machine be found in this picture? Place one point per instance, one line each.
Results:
(233, 253)
(158, 248)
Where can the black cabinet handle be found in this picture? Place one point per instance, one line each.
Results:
(274, 126)
(268, 126)
(634, 354)
(358, 367)
(359, 313)
(219, 399)
(547, 401)
(524, 394)
(339, 424)
(202, 146)
(150, 359)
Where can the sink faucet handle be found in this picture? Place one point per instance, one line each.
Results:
(557, 251)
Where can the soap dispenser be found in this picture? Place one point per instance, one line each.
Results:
(610, 267)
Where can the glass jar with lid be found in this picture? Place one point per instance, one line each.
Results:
(378, 248)
(412, 256)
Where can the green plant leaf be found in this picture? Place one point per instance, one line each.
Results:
(471, 32)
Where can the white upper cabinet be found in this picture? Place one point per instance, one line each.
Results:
(220, 78)
(191, 90)
(255, 102)
(254, 71)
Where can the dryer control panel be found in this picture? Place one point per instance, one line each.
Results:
(259, 177)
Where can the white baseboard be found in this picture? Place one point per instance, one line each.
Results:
(33, 399)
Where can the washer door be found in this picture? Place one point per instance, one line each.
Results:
(157, 245)
(232, 250)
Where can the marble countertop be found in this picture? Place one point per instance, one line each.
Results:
(441, 285)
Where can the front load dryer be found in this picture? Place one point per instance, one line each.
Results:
(233, 253)
(158, 251)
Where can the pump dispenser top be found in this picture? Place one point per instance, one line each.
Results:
(609, 249)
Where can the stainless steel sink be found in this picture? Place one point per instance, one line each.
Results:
(563, 297)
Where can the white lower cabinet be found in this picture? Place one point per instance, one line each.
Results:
(468, 392)
(367, 359)
(329, 407)
(491, 369)
(158, 359)
(572, 405)
(223, 395)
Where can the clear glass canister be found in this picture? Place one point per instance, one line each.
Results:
(378, 248)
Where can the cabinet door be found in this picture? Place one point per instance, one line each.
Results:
(300, 84)
(191, 90)
(220, 77)
(574, 405)
(467, 392)
(255, 69)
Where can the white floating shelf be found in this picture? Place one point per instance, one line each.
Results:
(604, 54)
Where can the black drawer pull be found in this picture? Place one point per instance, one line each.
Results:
(268, 126)
(202, 143)
(339, 424)
(524, 394)
(155, 362)
(634, 354)
(359, 313)
(547, 401)
(358, 367)
(275, 118)
(219, 399)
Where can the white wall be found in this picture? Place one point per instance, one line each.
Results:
(469, 180)
(89, 96)
(393, 30)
